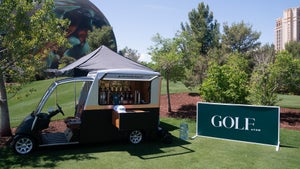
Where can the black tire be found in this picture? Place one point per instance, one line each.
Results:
(23, 144)
(135, 137)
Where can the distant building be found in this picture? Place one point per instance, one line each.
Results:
(287, 28)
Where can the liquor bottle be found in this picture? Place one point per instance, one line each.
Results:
(121, 98)
(107, 95)
(130, 97)
(126, 97)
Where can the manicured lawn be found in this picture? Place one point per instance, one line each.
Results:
(177, 87)
(197, 153)
(192, 153)
(26, 100)
(289, 101)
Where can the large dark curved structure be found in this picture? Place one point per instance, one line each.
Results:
(84, 16)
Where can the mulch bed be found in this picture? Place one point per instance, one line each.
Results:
(183, 105)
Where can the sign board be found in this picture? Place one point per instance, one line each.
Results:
(256, 124)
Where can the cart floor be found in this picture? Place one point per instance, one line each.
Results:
(50, 139)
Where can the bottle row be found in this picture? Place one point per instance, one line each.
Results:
(116, 98)
(123, 92)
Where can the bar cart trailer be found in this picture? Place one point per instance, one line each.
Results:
(112, 104)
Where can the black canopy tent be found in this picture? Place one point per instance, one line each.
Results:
(100, 59)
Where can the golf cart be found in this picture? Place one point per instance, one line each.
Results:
(112, 104)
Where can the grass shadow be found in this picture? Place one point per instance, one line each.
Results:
(50, 157)
(287, 146)
(152, 151)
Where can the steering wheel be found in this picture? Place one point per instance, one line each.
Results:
(60, 109)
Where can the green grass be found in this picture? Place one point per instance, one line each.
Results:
(177, 87)
(200, 152)
(289, 101)
(27, 99)
(197, 153)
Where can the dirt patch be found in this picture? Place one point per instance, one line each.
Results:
(183, 105)
(290, 118)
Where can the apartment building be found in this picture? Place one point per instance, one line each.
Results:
(287, 28)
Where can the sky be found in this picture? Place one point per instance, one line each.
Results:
(135, 22)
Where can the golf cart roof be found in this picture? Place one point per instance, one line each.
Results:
(124, 74)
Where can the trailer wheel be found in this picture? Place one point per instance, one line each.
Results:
(135, 136)
(23, 144)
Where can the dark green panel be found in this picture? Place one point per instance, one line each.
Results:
(259, 124)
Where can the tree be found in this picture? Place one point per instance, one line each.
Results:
(130, 54)
(263, 85)
(202, 31)
(167, 57)
(29, 30)
(287, 71)
(226, 83)
(264, 55)
(239, 37)
(101, 36)
(199, 36)
(280, 74)
(293, 48)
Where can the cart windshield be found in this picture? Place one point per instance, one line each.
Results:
(66, 93)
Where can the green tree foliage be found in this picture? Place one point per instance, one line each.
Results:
(239, 37)
(101, 36)
(168, 60)
(293, 48)
(202, 31)
(287, 71)
(264, 55)
(29, 30)
(269, 78)
(198, 36)
(227, 83)
(263, 83)
(66, 60)
(131, 54)
(263, 86)
(195, 75)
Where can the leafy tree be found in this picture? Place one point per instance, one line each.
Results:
(29, 30)
(264, 55)
(101, 36)
(263, 86)
(202, 31)
(287, 71)
(199, 36)
(66, 60)
(130, 54)
(279, 75)
(239, 37)
(167, 57)
(227, 83)
(293, 48)
(195, 75)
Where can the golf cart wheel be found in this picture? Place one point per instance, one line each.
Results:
(135, 136)
(23, 144)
